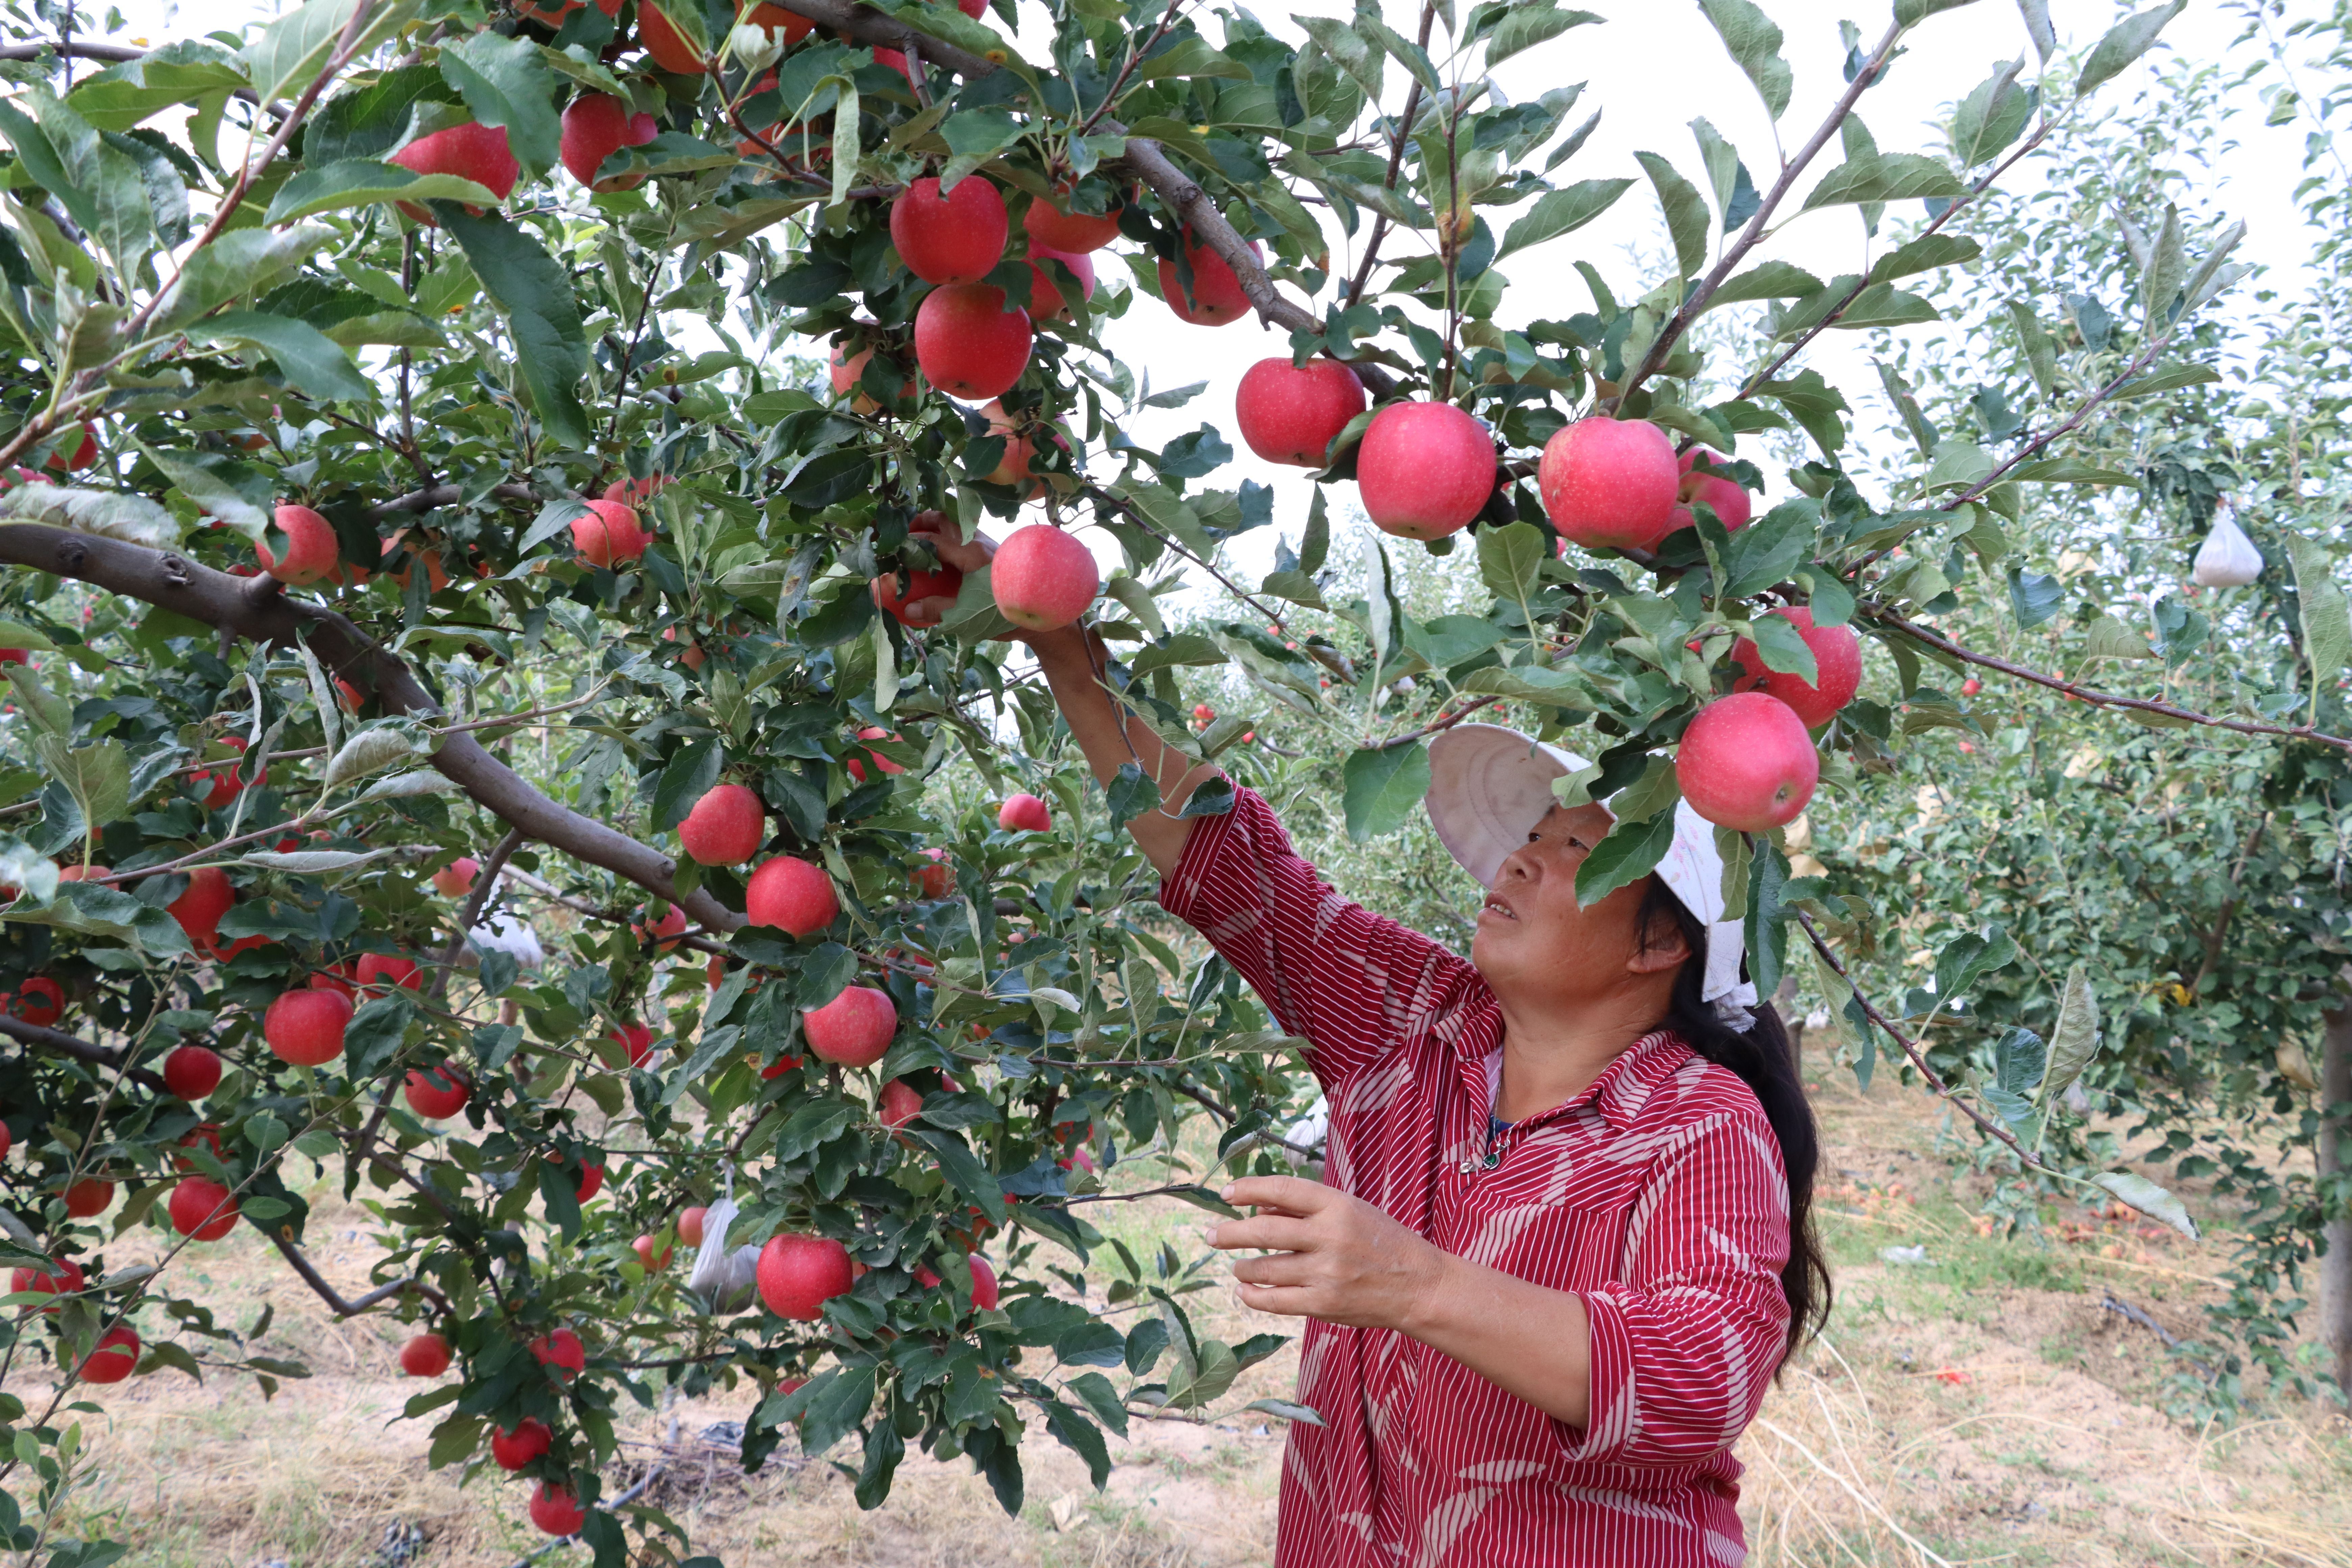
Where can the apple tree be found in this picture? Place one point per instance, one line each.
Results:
(424, 504)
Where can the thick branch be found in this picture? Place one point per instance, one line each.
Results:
(2093, 696)
(1753, 235)
(333, 1298)
(257, 609)
(433, 496)
(56, 1040)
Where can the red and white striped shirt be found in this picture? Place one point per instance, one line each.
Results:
(1657, 1195)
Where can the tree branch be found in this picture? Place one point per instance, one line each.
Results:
(58, 1041)
(2092, 695)
(1753, 235)
(241, 607)
(333, 1298)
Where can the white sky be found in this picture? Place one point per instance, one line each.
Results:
(1653, 68)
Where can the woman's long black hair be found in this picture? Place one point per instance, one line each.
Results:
(1764, 1062)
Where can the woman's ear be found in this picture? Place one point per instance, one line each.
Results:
(1660, 949)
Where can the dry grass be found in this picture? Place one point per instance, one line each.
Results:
(1983, 1409)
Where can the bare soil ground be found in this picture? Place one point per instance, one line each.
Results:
(1981, 1405)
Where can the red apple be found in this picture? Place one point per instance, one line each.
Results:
(596, 126)
(630, 492)
(1215, 296)
(1972, 686)
(58, 1277)
(983, 1282)
(1291, 415)
(969, 343)
(655, 1262)
(1424, 470)
(1025, 813)
(1043, 579)
(1609, 484)
(882, 763)
(666, 45)
(635, 1038)
(202, 1209)
(954, 238)
(1202, 712)
(726, 827)
(855, 1028)
(664, 932)
(113, 1358)
(1046, 300)
(191, 1072)
(311, 550)
(437, 1093)
(844, 374)
(562, 1351)
(689, 1225)
(1747, 763)
(470, 152)
(609, 533)
(776, 1068)
(89, 1197)
(378, 972)
(799, 1274)
(306, 1027)
(556, 1509)
(425, 1355)
(70, 456)
(1072, 234)
(592, 1182)
(937, 879)
(790, 894)
(337, 979)
(1837, 659)
(224, 786)
(512, 1450)
(456, 878)
(898, 1103)
(204, 1135)
(39, 1001)
(1727, 496)
(916, 597)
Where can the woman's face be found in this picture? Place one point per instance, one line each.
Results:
(1533, 937)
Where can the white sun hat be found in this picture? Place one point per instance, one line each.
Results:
(1489, 785)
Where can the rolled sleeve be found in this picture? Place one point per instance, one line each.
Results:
(1683, 1346)
(1351, 982)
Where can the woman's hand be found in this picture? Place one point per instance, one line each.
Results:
(1335, 1256)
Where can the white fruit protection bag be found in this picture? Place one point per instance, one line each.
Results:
(1488, 787)
(723, 1278)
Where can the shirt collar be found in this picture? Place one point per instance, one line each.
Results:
(1618, 1094)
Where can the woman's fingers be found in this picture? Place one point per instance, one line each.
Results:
(1292, 1194)
(1277, 1268)
(1272, 1233)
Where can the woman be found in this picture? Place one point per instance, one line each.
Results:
(1565, 1238)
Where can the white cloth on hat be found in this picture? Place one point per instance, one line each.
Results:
(1489, 785)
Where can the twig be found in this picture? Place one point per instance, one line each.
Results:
(1753, 235)
(333, 1298)
(485, 881)
(58, 1041)
(2095, 697)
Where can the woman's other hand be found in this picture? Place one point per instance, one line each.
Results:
(1331, 1256)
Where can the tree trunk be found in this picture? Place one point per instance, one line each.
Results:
(2334, 1152)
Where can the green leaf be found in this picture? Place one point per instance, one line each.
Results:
(825, 975)
(1884, 305)
(98, 776)
(1353, 54)
(2074, 1041)
(2034, 597)
(2327, 621)
(506, 82)
(1382, 787)
(1285, 1410)
(2124, 43)
(1561, 211)
(1191, 55)
(1769, 549)
(2146, 1197)
(1524, 26)
(2066, 471)
(2111, 637)
(1129, 794)
(1629, 852)
(242, 262)
(1911, 13)
(1885, 177)
(1655, 790)
(311, 362)
(1991, 117)
(2018, 1060)
(1753, 41)
(965, 1173)
(1767, 280)
(535, 294)
(1783, 648)
(2166, 266)
(178, 73)
(1969, 957)
(2168, 378)
(1685, 210)
(288, 54)
(690, 774)
(1925, 254)
(363, 182)
(1509, 559)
